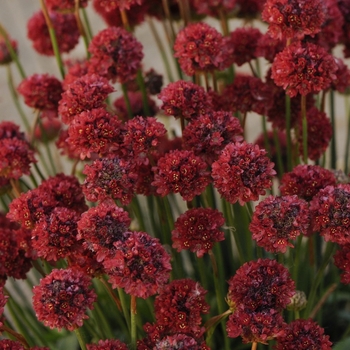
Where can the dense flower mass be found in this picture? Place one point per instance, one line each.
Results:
(118, 4)
(342, 261)
(64, 5)
(62, 298)
(242, 172)
(213, 7)
(108, 345)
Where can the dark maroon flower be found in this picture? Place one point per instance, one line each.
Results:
(197, 230)
(7, 344)
(3, 300)
(140, 265)
(342, 81)
(303, 335)
(209, 133)
(153, 82)
(278, 220)
(249, 9)
(183, 98)
(306, 180)
(10, 130)
(268, 47)
(62, 297)
(242, 172)
(198, 48)
(330, 213)
(66, 29)
(116, 55)
(303, 68)
(294, 18)
(213, 7)
(114, 344)
(342, 262)
(85, 93)
(181, 172)
(5, 56)
(64, 5)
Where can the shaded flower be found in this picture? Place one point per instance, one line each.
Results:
(5, 56)
(64, 5)
(114, 344)
(76, 69)
(342, 262)
(110, 5)
(269, 47)
(213, 7)
(7, 344)
(249, 9)
(342, 81)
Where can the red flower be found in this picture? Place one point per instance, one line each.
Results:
(277, 220)
(303, 68)
(197, 230)
(294, 18)
(111, 5)
(3, 300)
(114, 344)
(66, 29)
(303, 335)
(7, 344)
(213, 7)
(140, 265)
(250, 9)
(5, 56)
(76, 69)
(62, 297)
(198, 48)
(116, 55)
(181, 172)
(342, 82)
(64, 5)
(268, 47)
(342, 262)
(242, 172)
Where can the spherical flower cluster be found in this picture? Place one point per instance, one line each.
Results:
(66, 29)
(304, 335)
(62, 297)
(94, 131)
(342, 262)
(306, 180)
(41, 91)
(5, 56)
(108, 345)
(330, 213)
(140, 265)
(294, 18)
(181, 172)
(342, 82)
(213, 7)
(197, 230)
(3, 300)
(184, 99)
(277, 220)
(102, 226)
(303, 68)
(7, 344)
(116, 54)
(198, 48)
(242, 172)
(268, 47)
(76, 69)
(64, 5)
(118, 4)
(209, 133)
(85, 93)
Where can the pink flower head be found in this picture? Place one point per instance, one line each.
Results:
(278, 220)
(242, 172)
(76, 69)
(116, 54)
(303, 68)
(66, 148)
(181, 172)
(198, 48)
(66, 29)
(10, 130)
(114, 344)
(342, 262)
(294, 18)
(83, 94)
(62, 297)
(183, 98)
(213, 7)
(209, 133)
(3, 300)
(330, 213)
(102, 226)
(141, 265)
(5, 56)
(342, 82)
(64, 5)
(303, 335)
(197, 230)
(268, 47)
(111, 5)
(306, 180)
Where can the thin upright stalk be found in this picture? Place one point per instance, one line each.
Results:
(81, 28)
(127, 101)
(289, 134)
(334, 138)
(79, 334)
(142, 86)
(133, 311)
(304, 122)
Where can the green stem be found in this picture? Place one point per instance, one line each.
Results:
(304, 122)
(138, 213)
(127, 101)
(333, 140)
(347, 145)
(141, 84)
(80, 336)
(289, 134)
(87, 23)
(202, 274)
(296, 261)
(133, 311)
(126, 313)
(278, 152)
(39, 171)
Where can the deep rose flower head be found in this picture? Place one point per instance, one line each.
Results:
(85, 93)
(198, 48)
(76, 69)
(136, 105)
(304, 335)
(342, 262)
(7, 344)
(209, 133)
(183, 98)
(111, 177)
(342, 81)
(48, 129)
(3, 300)
(303, 68)
(179, 306)
(247, 93)
(140, 265)
(94, 131)
(66, 29)
(259, 326)
(197, 230)
(330, 213)
(10, 130)
(306, 181)
(153, 82)
(114, 344)
(54, 237)
(62, 298)
(181, 172)
(213, 7)
(249, 9)
(41, 91)
(66, 148)
(116, 54)
(244, 42)
(268, 47)
(64, 5)
(293, 19)
(101, 226)
(319, 133)
(278, 220)
(261, 285)
(5, 56)
(111, 5)
(242, 172)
